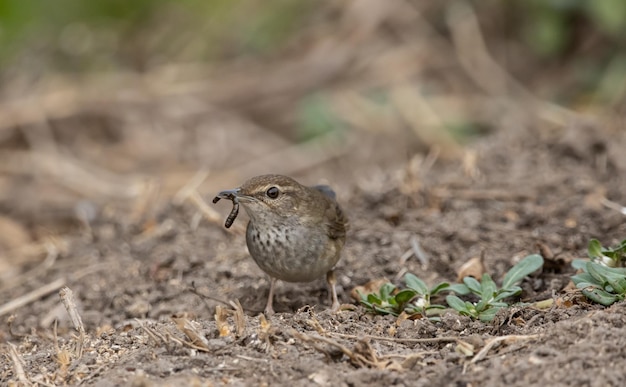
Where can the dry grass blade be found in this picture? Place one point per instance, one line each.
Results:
(290, 160)
(362, 356)
(18, 365)
(613, 206)
(156, 336)
(209, 213)
(78, 175)
(427, 124)
(488, 74)
(52, 249)
(221, 320)
(496, 340)
(67, 296)
(190, 187)
(442, 339)
(32, 296)
(480, 194)
(62, 357)
(191, 331)
(240, 319)
(158, 231)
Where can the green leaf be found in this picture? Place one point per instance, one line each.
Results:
(583, 285)
(456, 303)
(441, 287)
(523, 268)
(482, 305)
(367, 304)
(506, 293)
(584, 277)
(461, 289)
(579, 264)
(617, 283)
(472, 284)
(435, 306)
(488, 315)
(384, 311)
(595, 270)
(415, 283)
(600, 296)
(386, 290)
(373, 299)
(487, 287)
(404, 296)
(594, 249)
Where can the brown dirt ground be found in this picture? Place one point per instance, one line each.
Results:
(527, 188)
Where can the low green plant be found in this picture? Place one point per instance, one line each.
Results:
(601, 284)
(492, 299)
(414, 299)
(610, 256)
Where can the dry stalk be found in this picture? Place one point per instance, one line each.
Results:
(442, 339)
(190, 187)
(362, 355)
(221, 320)
(191, 331)
(209, 213)
(156, 232)
(52, 253)
(489, 75)
(157, 337)
(18, 365)
(496, 340)
(31, 296)
(240, 319)
(67, 296)
(62, 357)
(77, 175)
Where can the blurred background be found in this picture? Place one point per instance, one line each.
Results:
(117, 108)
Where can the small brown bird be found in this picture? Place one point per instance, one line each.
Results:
(295, 234)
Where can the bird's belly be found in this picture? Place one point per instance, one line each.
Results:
(292, 255)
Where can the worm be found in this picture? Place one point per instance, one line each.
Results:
(234, 212)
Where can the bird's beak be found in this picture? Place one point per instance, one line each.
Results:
(229, 194)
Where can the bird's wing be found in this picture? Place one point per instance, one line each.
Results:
(336, 221)
(326, 190)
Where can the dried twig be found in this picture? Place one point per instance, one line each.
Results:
(480, 194)
(67, 296)
(78, 175)
(209, 213)
(52, 250)
(489, 75)
(240, 319)
(191, 331)
(496, 340)
(18, 365)
(195, 291)
(442, 339)
(156, 336)
(190, 187)
(31, 296)
(356, 358)
(613, 205)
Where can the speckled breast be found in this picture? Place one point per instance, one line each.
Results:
(292, 253)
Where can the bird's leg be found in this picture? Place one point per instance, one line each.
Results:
(269, 310)
(332, 281)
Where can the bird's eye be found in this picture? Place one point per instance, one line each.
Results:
(272, 192)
